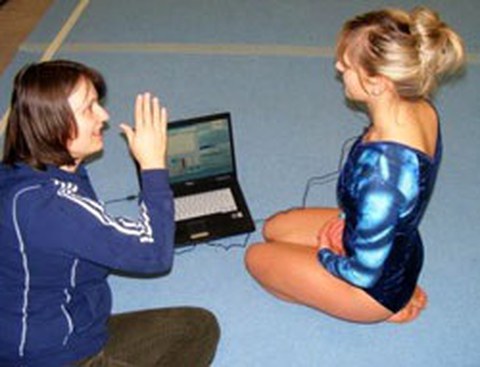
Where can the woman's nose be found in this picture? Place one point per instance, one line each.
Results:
(103, 114)
(339, 67)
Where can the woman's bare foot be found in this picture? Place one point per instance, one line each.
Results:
(413, 308)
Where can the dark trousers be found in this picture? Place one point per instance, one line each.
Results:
(164, 337)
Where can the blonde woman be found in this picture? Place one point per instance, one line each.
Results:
(361, 262)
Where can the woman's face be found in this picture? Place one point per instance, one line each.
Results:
(354, 89)
(90, 117)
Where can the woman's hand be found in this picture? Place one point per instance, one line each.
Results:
(148, 140)
(330, 236)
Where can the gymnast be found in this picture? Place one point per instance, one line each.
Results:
(361, 261)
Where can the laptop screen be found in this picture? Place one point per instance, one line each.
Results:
(199, 148)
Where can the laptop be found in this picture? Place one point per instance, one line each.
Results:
(209, 203)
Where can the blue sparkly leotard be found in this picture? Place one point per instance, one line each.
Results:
(383, 190)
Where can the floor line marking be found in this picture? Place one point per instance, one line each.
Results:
(228, 49)
(54, 46)
(191, 48)
(65, 30)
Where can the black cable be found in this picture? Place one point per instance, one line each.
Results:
(230, 246)
(126, 198)
(324, 179)
(330, 176)
(345, 147)
(226, 247)
(318, 180)
(315, 180)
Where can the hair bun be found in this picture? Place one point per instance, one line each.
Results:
(441, 50)
(413, 49)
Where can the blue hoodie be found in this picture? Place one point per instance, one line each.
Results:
(57, 245)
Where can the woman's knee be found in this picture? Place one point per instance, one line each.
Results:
(275, 225)
(254, 258)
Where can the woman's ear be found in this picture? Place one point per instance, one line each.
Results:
(377, 85)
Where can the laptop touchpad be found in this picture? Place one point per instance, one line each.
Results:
(197, 229)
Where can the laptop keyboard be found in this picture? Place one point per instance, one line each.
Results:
(199, 205)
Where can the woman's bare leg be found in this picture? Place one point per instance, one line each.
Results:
(292, 272)
(299, 226)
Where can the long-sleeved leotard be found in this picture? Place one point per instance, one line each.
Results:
(383, 191)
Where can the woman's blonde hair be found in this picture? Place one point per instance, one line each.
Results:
(414, 50)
